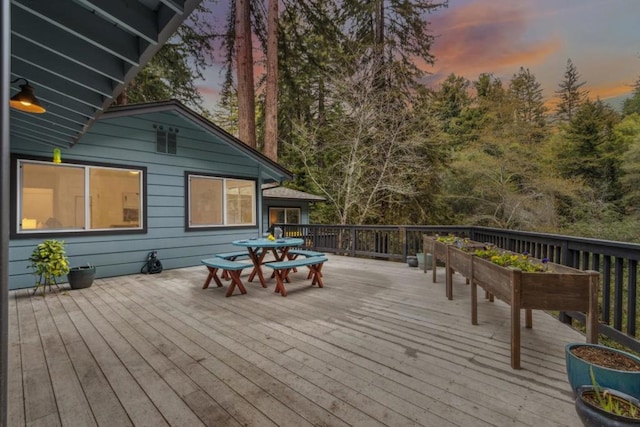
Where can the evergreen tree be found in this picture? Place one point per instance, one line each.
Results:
(529, 112)
(175, 68)
(632, 105)
(628, 131)
(591, 151)
(569, 92)
(451, 98)
(244, 74)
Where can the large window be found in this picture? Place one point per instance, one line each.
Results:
(215, 201)
(71, 197)
(284, 215)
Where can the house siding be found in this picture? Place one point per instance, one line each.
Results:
(131, 141)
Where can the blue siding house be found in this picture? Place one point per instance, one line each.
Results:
(144, 177)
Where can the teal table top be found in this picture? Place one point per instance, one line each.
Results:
(266, 243)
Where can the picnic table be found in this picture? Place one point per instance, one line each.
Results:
(259, 248)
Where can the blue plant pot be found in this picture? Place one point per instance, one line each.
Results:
(578, 372)
(595, 416)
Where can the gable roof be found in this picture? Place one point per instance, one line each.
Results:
(79, 55)
(277, 172)
(290, 194)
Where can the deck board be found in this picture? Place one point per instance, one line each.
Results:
(379, 345)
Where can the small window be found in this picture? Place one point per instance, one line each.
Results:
(284, 216)
(166, 140)
(216, 201)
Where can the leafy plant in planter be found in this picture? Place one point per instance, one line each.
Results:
(48, 261)
(510, 259)
(601, 406)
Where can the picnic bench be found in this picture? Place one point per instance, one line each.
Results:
(295, 253)
(232, 268)
(232, 256)
(281, 270)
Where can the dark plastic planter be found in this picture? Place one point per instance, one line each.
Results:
(595, 416)
(578, 372)
(81, 277)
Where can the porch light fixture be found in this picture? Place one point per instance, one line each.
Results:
(25, 100)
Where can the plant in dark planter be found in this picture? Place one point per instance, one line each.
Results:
(601, 406)
(48, 261)
(612, 368)
(81, 277)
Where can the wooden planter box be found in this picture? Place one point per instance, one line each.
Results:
(454, 259)
(561, 289)
(437, 249)
(459, 261)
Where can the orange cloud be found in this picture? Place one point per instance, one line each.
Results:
(609, 90)
(486, 37)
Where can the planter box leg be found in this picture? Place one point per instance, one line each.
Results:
(474, 303)
(528, 318)
(592, 314)
(515, 320)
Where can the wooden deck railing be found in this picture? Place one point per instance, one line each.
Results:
(617, 262)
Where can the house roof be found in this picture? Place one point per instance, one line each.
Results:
(290, 194)
(279, 172)
(79, 55)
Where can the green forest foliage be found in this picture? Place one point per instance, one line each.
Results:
(360, 125)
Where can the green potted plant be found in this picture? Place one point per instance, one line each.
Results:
(48, 261)
(602, 406)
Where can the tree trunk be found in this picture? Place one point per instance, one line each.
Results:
(244, 59)
(271, 96)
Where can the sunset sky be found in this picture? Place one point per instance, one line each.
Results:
(601, 37)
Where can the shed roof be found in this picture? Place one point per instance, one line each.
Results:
(79, 55)
(290, 194)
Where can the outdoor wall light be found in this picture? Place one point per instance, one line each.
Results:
(25, 100)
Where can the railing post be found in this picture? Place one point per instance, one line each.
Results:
(353, 241)
(564, 253)
(314, 238)
(631, 297)
(564, 317)
(404, 237)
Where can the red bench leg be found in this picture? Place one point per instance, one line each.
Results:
(225, 274)
(212, 275)
(316, 273)
(280, 278)
(235, 281)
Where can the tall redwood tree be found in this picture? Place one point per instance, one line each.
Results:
(271, 96)
(244, 59)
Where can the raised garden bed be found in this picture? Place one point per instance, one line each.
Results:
(559, 288)
(562, 289)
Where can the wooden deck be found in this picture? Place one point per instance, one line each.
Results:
(379, 345)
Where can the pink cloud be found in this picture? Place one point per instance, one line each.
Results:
(486, 37)
(208, 91)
